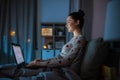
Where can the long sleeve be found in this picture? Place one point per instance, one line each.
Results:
(68, 53)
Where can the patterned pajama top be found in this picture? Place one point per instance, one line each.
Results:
(68, 53)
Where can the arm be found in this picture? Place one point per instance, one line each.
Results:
(67, 55)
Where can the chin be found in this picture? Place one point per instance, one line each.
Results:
(70, 30)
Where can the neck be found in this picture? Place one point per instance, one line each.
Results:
(76, 33)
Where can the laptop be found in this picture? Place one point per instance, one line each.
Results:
(18, 53)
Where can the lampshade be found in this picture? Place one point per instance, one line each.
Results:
(112, 24)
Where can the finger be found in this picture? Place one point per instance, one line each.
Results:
(30, 65)
(38, 59)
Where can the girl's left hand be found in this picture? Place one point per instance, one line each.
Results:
(32, 64)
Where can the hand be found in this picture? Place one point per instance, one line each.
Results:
(34, 63)
(37, 60)
(31, 64)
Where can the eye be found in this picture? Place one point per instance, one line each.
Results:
(67, 22)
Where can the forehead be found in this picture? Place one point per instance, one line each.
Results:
(69, 18)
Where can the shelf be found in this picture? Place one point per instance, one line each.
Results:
(60, 36)
(55, 33)
(47, 36)
(53, 23)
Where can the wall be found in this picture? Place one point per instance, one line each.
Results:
(87, 7)
(99, 13)
(53, 10)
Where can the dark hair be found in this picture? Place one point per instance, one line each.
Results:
(78, 16)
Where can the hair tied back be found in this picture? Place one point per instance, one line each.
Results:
(81, 13)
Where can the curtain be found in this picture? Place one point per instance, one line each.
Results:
(17, 25)
(87, 6)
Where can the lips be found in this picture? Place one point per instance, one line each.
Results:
(68, 26)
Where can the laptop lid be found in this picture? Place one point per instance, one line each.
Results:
(17, 51)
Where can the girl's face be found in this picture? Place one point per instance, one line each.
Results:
(70, 24)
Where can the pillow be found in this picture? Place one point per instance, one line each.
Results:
(94, 57)
(75, 65)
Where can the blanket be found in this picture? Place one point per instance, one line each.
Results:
(40, 74)
(55, 74)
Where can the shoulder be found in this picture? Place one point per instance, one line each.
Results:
(81, 40)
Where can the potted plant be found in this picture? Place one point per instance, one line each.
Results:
(50, 45)
(60, 32)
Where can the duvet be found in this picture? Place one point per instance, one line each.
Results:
(41, 74)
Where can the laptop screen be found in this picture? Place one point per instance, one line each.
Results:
(18, 54)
